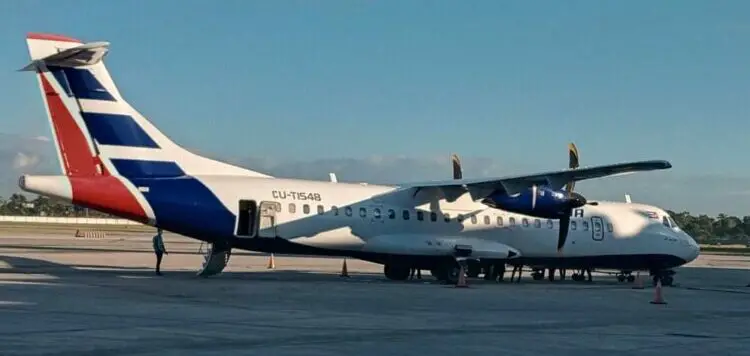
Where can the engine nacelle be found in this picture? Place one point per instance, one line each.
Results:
(542, 202)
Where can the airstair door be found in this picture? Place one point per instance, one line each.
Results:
(597, 228)
(267, 219)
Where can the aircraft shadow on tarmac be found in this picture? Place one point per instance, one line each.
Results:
(710, 278)
(68, 249)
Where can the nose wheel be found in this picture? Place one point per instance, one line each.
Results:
(666, 277)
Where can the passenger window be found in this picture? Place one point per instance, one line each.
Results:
(292, 208)
(487, 220)
(406, 214)
(376, 213)
(321, 210)
(362, 212)
(585, 226)
(597, 226)
(335, 210)
(420, 215)
(512, 221)
(433, 216)
(447, 218)
(306, 209)
(499, 221)
(391, 214)
(525, 222)
(610, 228)
(537, 223)
(550, 224)
(348, 211)
(460, 218)
(277, 207)
(473, 219)
(573, 225)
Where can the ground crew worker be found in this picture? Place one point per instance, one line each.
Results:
(159, 250)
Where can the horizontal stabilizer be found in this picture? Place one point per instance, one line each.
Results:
(79, 56)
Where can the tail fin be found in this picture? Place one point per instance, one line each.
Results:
(96, 131)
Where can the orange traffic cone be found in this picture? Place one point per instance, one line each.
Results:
(658, 298)
(271, 263)
(638, 281)
(344, 270)
(462, 278)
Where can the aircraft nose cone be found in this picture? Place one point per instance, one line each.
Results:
(576, 200)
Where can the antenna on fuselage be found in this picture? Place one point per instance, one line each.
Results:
(333, 177)
(627, 198)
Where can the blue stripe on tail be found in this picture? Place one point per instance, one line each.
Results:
(81, 83)
(130, 168)
(118, 130)
(180, 203)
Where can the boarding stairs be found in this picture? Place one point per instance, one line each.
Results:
(214, 260)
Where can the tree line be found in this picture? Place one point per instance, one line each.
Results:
(722, 229)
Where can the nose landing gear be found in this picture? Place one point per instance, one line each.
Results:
(666, 277)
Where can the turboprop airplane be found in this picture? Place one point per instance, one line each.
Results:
(115, 160)
(594, 260)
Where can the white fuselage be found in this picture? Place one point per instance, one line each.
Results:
(353, 215)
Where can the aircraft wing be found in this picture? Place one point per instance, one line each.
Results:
(481, 187)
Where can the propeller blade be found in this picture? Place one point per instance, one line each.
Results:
(572, 164)
(563, 233)
(572, 156)
(533, 196)
(457, 174)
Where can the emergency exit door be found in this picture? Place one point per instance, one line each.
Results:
(267, 219)
(597, 228)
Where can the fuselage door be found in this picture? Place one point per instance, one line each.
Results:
(597, 228)
(246, 218)
(267, 219)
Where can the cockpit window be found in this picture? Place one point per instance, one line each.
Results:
(665, 221)
(672, 222)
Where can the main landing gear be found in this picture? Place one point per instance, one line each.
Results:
(625, 276)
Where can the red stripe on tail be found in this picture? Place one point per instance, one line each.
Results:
(91, 188)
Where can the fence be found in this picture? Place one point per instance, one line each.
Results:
(65, 220)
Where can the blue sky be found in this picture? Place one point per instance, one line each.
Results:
(299, 81)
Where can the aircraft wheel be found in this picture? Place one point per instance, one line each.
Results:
(631, 278)
(667, 281)
(577, 277)
(537, 276)
(474, 270)
(396, 272)
(620, 278)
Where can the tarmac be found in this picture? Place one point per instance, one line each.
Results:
(61, 295)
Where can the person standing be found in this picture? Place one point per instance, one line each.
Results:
(159, 250)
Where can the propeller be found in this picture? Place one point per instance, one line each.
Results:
(457, 174)
(574, 199)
